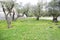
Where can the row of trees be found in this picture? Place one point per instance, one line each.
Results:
(53, 9)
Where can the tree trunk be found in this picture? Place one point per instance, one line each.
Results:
(5, 17)
(9, 20)
(13, 15)
(55, 19)
(9, 23)
(37, 17)
(26, 15)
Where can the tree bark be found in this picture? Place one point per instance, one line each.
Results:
(55, 19)
(9, 23)
(37, 17)
(9, 20)
(13, 15)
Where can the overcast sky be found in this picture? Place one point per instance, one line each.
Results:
(33, 2)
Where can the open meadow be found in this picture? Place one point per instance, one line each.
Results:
(30, 29)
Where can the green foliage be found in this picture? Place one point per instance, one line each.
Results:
(8, 4)
(37, 9)
(53, 8)
(18, 10)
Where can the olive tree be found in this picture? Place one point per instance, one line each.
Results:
(7, 7)
(37, 9)
(53, 9)
(26, 9)
(18, 8)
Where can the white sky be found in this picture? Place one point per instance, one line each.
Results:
(33, 2)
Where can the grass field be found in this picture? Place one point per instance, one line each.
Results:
(30, 29)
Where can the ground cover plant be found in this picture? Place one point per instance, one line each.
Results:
(30, 29)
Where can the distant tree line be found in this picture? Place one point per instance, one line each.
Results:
(52, 9)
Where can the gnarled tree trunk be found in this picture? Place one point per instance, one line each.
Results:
(37, 18)
(55, 19)
(9, 23)
(9, 20)
(13, 16)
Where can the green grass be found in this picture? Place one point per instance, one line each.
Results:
(30, 29)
